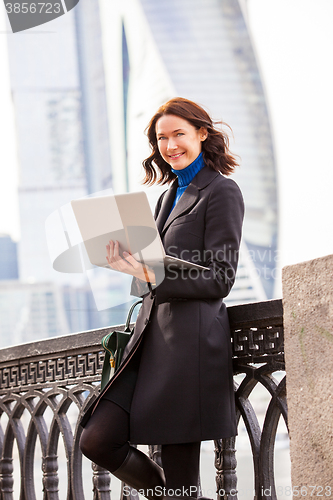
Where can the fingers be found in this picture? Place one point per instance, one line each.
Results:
(116, 261)
(113, 252)
(134, 263)
(127, 263)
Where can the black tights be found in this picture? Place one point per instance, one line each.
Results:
(105, 441)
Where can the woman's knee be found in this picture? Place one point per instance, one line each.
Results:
(106, 435)
(108, 453)
(91, 443)
(84, 443)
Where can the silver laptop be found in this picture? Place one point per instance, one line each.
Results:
(128, 219)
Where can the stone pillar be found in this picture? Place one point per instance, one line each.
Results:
(308, 332)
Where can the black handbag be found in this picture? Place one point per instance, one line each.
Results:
(114, 345)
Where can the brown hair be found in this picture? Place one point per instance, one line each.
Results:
(215, 149)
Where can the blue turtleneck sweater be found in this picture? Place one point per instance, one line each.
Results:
(186, 175)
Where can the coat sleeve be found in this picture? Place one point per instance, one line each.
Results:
(222, 235)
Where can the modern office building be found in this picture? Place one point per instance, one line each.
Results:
(8, 258)
(58, 91)
(59, 99)
(30, 311)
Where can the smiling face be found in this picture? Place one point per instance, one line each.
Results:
(179, 142)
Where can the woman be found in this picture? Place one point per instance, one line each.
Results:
(174, 386)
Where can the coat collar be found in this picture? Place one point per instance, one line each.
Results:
(187, 200)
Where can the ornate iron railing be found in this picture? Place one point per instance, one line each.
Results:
(258, 352)
(43, 384)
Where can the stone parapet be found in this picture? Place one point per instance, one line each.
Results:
(308, 332)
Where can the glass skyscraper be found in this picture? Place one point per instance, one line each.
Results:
(58, 90)
(8, 262)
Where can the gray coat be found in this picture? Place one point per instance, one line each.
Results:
(184, 389)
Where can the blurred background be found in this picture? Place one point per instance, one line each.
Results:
(77, 93)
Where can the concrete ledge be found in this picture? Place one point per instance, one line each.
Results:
(308, 331)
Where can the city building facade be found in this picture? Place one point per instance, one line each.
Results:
(8, 259)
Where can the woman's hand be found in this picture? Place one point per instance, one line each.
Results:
(128, 264)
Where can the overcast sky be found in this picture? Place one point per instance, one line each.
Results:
(294, 44)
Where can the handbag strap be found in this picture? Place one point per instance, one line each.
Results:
(109, 343)
(130, 312)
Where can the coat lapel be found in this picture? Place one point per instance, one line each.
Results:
(185, 203)
(166, 206)
(187, 200)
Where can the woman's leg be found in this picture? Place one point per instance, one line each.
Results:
(105, 441)
(105, 437)
(181, 468)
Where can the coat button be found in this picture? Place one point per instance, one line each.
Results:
(146, 321)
